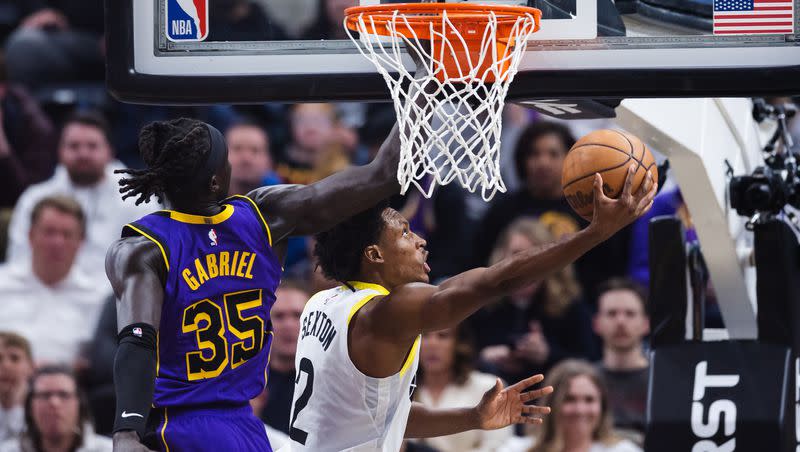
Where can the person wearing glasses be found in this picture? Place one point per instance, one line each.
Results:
(56, 416)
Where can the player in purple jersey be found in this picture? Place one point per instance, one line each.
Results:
(194, 286)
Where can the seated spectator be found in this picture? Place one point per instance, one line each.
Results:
(580, 419)
(447, 380)
(57, 41)
(328, 25)
(16, 367)
(241, 20)
(290, 299)
(315, 150)
(47, 298)
(622, 323)
(57, 417)
(99, 378)
(250, 158)
(539, 160)
(537, 326)
(27, 143)
(86, 174)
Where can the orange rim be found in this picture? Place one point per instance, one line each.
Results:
(419, 15)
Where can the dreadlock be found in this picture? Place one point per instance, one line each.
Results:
(173, 151)
(339, 249)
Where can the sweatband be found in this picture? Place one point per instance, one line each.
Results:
(134, 377)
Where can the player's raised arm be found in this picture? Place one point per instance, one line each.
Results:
(309, 209)
(135, 267)
(418, 308)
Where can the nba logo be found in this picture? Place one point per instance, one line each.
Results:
(187, 20)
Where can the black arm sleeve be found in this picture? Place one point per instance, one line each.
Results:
(134, 377)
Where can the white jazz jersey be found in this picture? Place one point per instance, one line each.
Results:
(336, 407)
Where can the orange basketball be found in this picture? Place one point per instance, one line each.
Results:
(610, 153)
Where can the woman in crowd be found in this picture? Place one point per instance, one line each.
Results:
(447, 380)
(56, 417)
(538, 325)
(580, 420)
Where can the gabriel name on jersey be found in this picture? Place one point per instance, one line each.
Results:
(224, 263)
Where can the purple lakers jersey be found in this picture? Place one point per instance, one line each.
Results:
(215, 333)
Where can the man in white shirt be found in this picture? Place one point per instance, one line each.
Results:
(46, 298)
(86, 173)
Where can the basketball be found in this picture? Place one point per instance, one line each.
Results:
(610, 153)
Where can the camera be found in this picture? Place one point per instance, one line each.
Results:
(776, 184)
(763, 191)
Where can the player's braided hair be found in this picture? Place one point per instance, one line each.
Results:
(339, 249)
(173, 151)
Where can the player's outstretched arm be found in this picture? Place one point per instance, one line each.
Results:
(136, 270)
(498, 408)
(418, 308)
(309, 209)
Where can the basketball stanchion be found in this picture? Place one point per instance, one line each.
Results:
(472, 53)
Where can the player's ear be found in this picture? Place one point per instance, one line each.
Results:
(214, 185)
(373, 254)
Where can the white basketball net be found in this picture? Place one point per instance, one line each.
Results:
(453, 132)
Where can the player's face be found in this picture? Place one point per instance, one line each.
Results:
(84, 152)
(579, 414)
(621, 320)
(55, 238)
(248, 154)
(15, 369)
(544, 165)
(438, 351)
(55, 405)
(403, 252)
(285, 316)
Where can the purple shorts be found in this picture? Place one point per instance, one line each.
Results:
(208, 429)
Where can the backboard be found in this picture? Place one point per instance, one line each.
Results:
(250, 51)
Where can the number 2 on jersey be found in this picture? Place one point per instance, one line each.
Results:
(211, 335)
(295, 433)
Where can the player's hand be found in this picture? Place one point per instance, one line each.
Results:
(502, 407)
(128, 441)
(611, 215)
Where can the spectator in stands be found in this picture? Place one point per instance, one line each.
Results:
(580, 420)
(16, 367)
(447, 380)
(99, 378)
(330, 15)
(622, 323)
(57, 416)
(290, 299)
(250, 158)
(86, 174)
(314, 151)
(539, 158)
(27, 143)
(48, 299)
(241, 20)
(57, 41)
(536, 326)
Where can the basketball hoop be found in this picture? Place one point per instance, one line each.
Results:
(449, 118)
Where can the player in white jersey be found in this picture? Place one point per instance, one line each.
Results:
(357, 351)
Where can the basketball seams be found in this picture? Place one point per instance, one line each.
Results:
(611, 168)
(640, 160)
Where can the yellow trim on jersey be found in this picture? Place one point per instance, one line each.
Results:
(158, 353)
(363, 286)
(411, 355)
(359, 304)
(163, 431)
(226, 213)
(163, 253)
(258, 211)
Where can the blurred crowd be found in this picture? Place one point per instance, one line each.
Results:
(62, 137)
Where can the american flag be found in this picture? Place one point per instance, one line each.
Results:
(744, 17)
